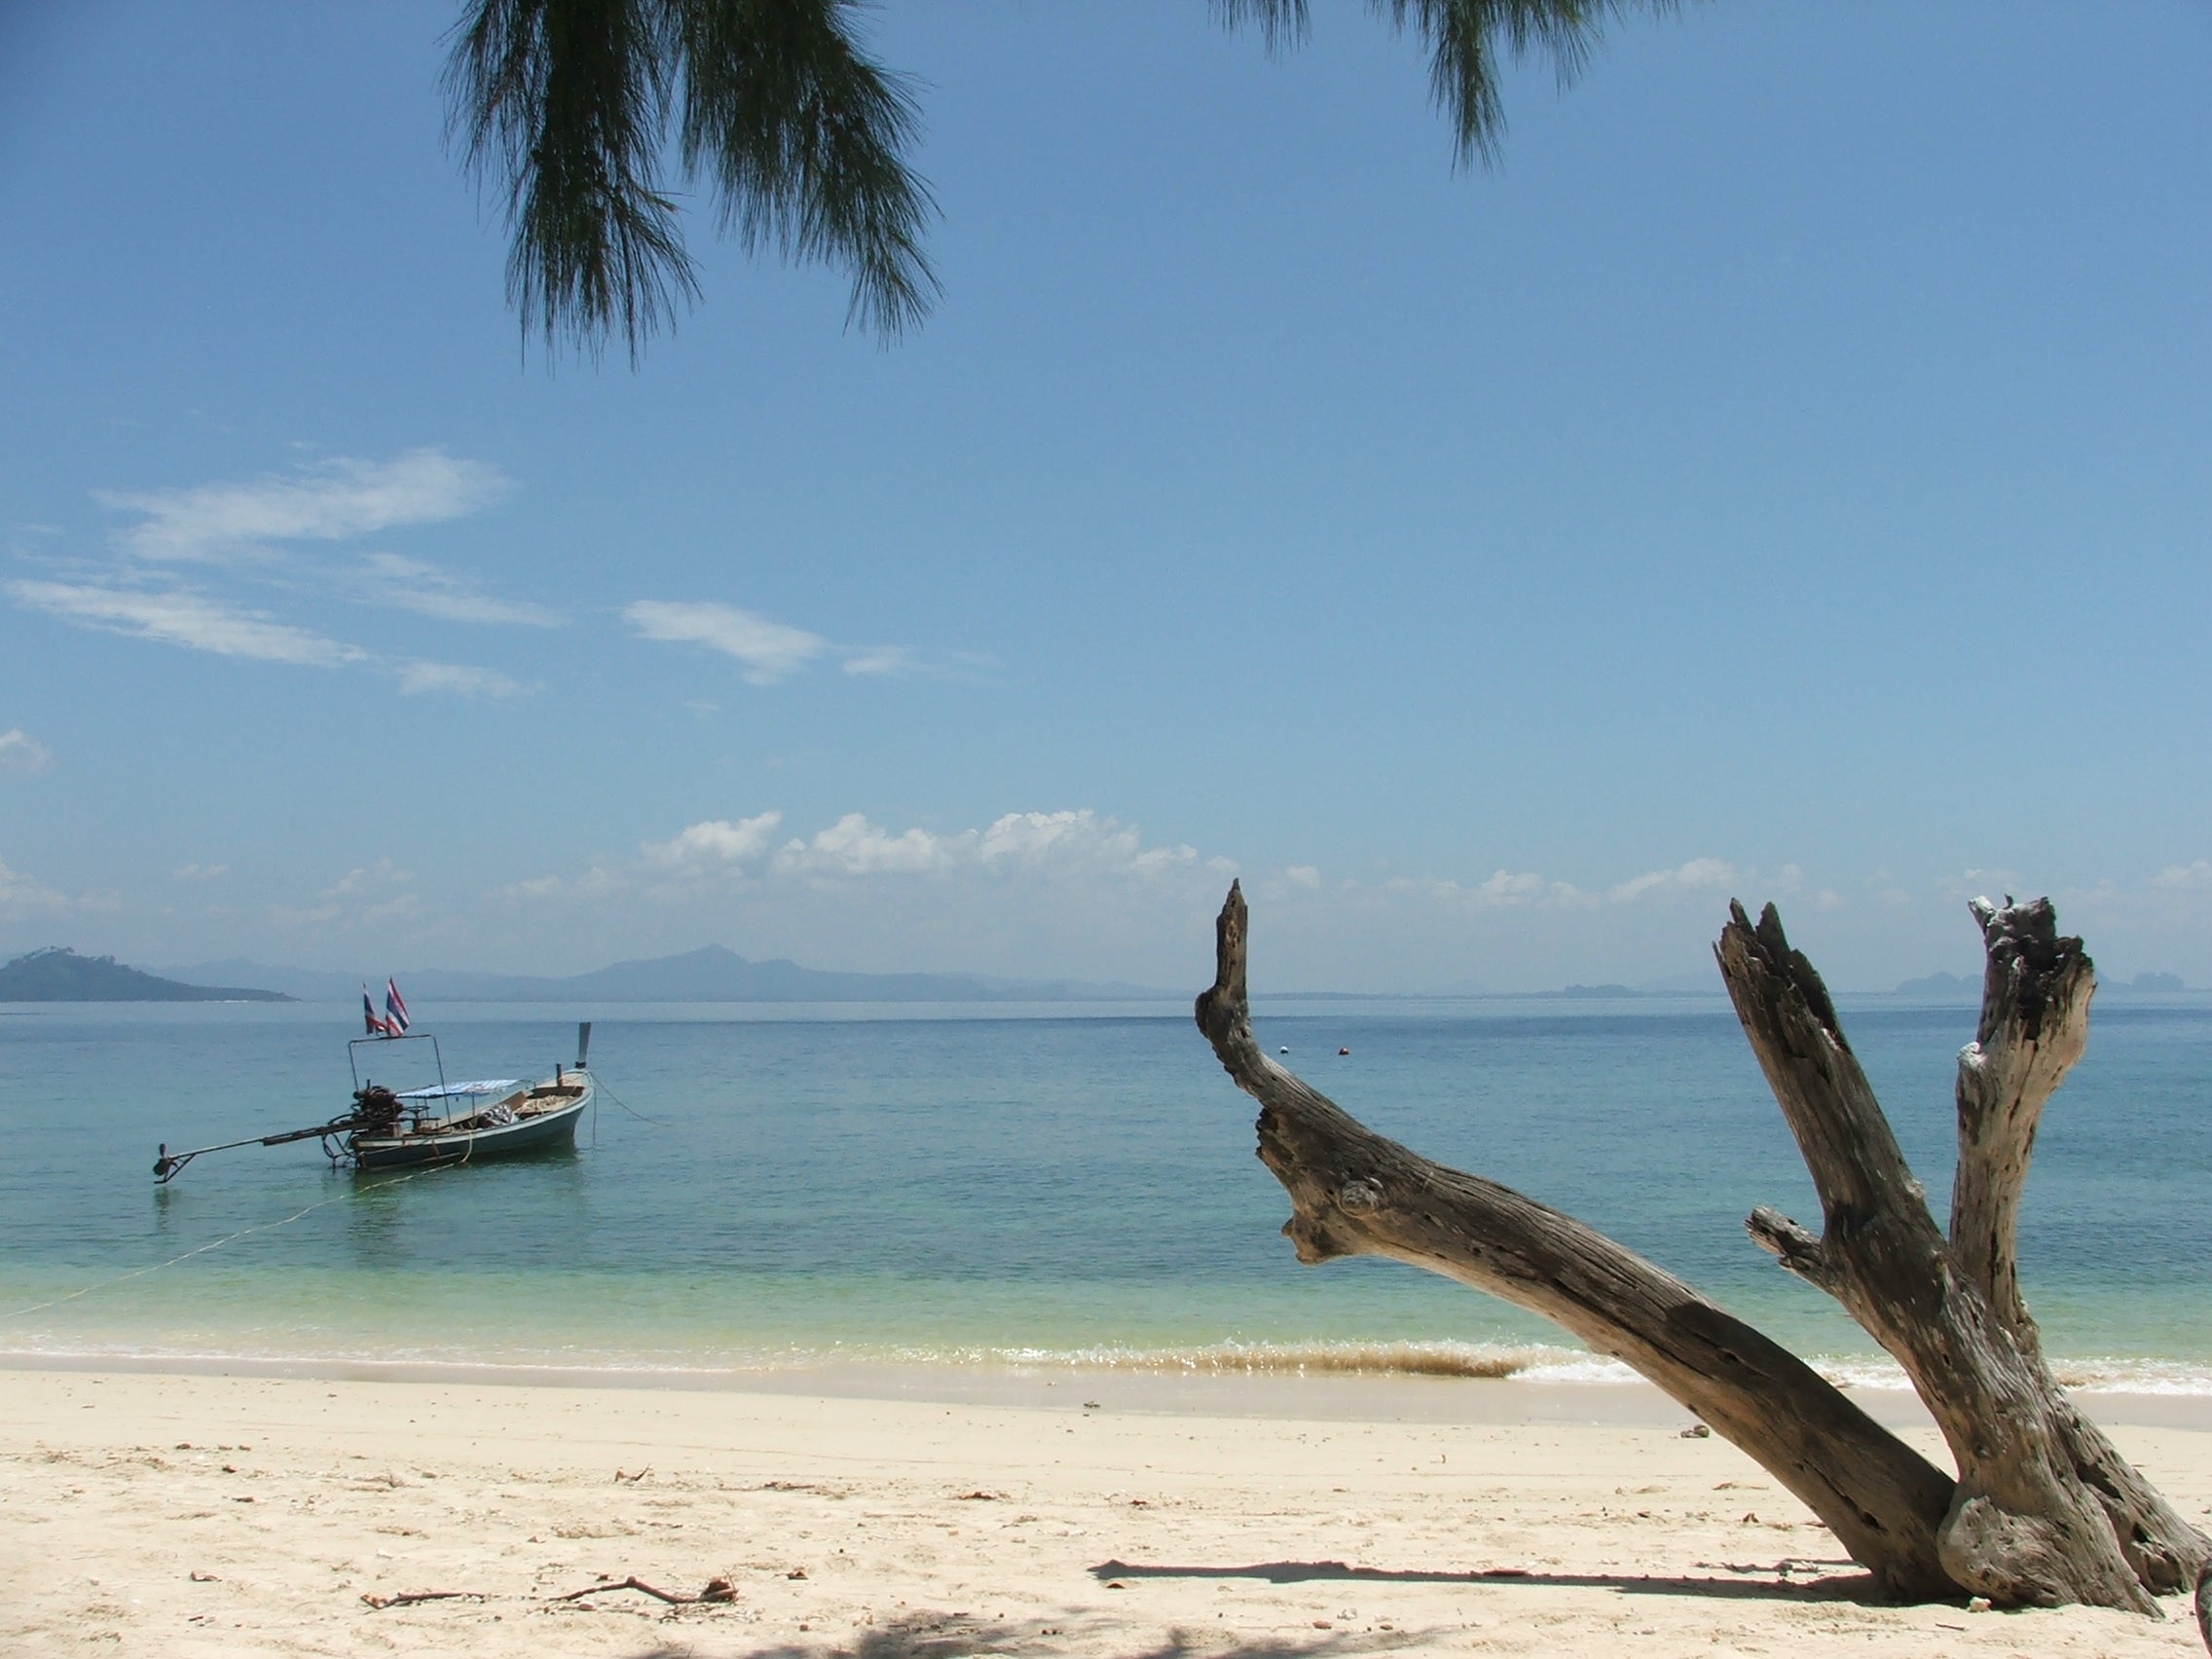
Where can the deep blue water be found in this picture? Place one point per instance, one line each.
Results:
(870, 1184)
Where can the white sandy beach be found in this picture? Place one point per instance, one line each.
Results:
(202, 1514)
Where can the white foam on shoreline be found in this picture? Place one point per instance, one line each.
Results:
(1528, 1363)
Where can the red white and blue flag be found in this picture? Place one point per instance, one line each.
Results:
(376, 1027)
(395, 1010)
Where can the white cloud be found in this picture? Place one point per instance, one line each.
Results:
(368, 878)
(22, 752)
(367, 893)
(240, 525)
(1969, 884)
(1511, 887)
(2100, 894)
(770, 650)
(1699, 875)
(414, 584)
(1306, 876)
(853, 846)
(1505, 889)
(459, 679)
(2191, 877)
(187, 619)
(597, 882)
(1077, 841)
(882, 659)
(1041, 838)
(19, 894)
(333, 501)
(714, 844)
(201, 872)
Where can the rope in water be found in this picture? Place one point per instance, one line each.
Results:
(287, 1221)
(218, 1243)
(656, 1123)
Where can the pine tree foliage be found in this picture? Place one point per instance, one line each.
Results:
(577, 110)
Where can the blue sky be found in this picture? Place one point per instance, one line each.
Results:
(1788, 475)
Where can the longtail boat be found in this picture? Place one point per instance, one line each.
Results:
(440, 1123)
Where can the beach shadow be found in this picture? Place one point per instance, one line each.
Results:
(1853, 1587)
(938, 1638)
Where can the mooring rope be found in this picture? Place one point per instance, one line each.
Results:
(218, 1243)
(626, 1106)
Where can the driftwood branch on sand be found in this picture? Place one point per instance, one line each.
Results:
(716, 1590)
(2043, 1510)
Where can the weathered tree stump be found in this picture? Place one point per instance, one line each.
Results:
(2044, 1511)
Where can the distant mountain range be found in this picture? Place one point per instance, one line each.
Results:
(59, 975)
(710, 974)
(1958, 987)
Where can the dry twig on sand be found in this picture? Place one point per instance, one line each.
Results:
(716, 1590)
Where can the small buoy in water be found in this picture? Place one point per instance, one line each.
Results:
(1285, 1050)
(1344, 1051)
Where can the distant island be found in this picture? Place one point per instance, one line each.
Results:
(58, 973)
(710, 974)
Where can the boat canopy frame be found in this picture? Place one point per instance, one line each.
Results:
(353, 1060)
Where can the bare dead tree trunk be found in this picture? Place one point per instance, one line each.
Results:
(2020, 1530)
(1355, 1192)
(2046, 1511)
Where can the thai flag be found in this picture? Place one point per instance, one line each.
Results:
(395, 1010)
(369, 1015)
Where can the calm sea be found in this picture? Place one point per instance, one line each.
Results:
(797, 1187)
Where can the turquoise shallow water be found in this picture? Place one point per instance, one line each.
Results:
(882, 1185)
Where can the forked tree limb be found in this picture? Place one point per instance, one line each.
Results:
(2035, 1024)
(1355, 1193)
(2045, 1512)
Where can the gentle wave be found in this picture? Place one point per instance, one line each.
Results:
(1533, 1362)
(2092, 1376)
(1294, 1359)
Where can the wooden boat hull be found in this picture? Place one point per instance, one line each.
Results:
(550, 1131)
